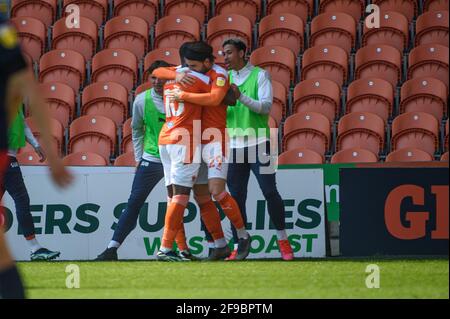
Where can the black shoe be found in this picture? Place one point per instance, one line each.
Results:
(168, 256)
(44, 254)
(110, 254)
(219, 253)
(186, 255)
(243, 248)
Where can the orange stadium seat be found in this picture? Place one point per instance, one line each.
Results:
(169, 55)
(435, 5)
(301, 8)
(108, 99)
(145, 9)
(82, 39)
(432, 27)
(393, 31)
(415, 129)
(445, 157)
(56, 131)
(409, 8)
(66, 66)
(29, 61)
(279, 61)
(371, 95)
(32, 34)
(334, 28)
(248, 8)
(127, 144)
(362, 130)
(409, 154)
(354, 155)
(427, 95)
(96, 10)
(30, 158)
(142, 88)
(317, 95)
(355, 8)
(278, 110)
(309, 130)
(84, 159)
(127, 32)
(325, 61)
(93, 133)
(126, 159)
(223, 27)
(117, 65)
(429, 60)
(272, 122)
(61, 101)
(379, 61)
(282, 29)
(174, 30)
(197, 8)
(43, 10)
(300, 156)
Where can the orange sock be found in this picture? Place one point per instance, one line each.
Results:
(231, 209)
(210, 216)
(180, 238)
(173, 220)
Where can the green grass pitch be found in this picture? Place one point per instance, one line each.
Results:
(331, 278)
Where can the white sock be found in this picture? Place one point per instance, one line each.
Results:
(34, 245)
(282, 235)
(164, 249)
(220, 243)
(113, 244)
(242, 233)
(236, 246)
(211, 244)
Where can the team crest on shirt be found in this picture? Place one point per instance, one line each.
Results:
(220, 82)
(8, 37)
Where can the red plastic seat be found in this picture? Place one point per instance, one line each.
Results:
(379, 61)
(32, 34)
(93, 133)
(82, 39)
(432, 27)
(309, 130)
(30, 158)
(108, 99)
(66, 66)
(301, 8)
(84, 159)
(174, 30)
(317, 95)
(429, 60)
(371, 95)
(96, 10)
(325, 62)
(282, 29)
(445, 157)
(355, 8)
(117, 65)
(409, 8)
(127, 144)
(415, 129)
(127, 32)
(126, 159)
(60, 100)
(142, 88)
(300, 156)
(248, 8)
(334, 28)
(362, 130)
(56, 131)
(223, 27)
(393, 31)
(43, 10)
(435, 5)
(170, 55)
(278, 110)
(145, 9)
(354, 155)
(409, 155)
(197, 8)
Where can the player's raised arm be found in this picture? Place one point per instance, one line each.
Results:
(218, 92)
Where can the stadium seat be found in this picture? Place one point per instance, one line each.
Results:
(429, 60)
(309, 130)
(282, 29)
(174, 30)
(32, 34)
(60, 100)
(333, 28)
(427, 95)
(30, 158)
(127, 32)
(317, 95)
(379, 61)
(66, 66)
(445, 157)
(29, 61)
(415, 129)
(435, 5)
(300, 156)
(409, 8)
(272, 122)
(223, 27)
(355, 8)
(96, 10)
(371, 95)
(82, 39)
(362, 130)
(432, 27)
(117, 65)
(278, 110)
(142, 88)
(393, 31)
(108, 99)
(354, 155)
(301, 8)
(170, 55)
(279, 61)
(325, 61)
(43, 10)
(127, 144)
(197, 8)
(249, 8)
(145, 9)
(126, 159)
(84, 159)
(409, 154)
(93, 133)
(56, 131)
